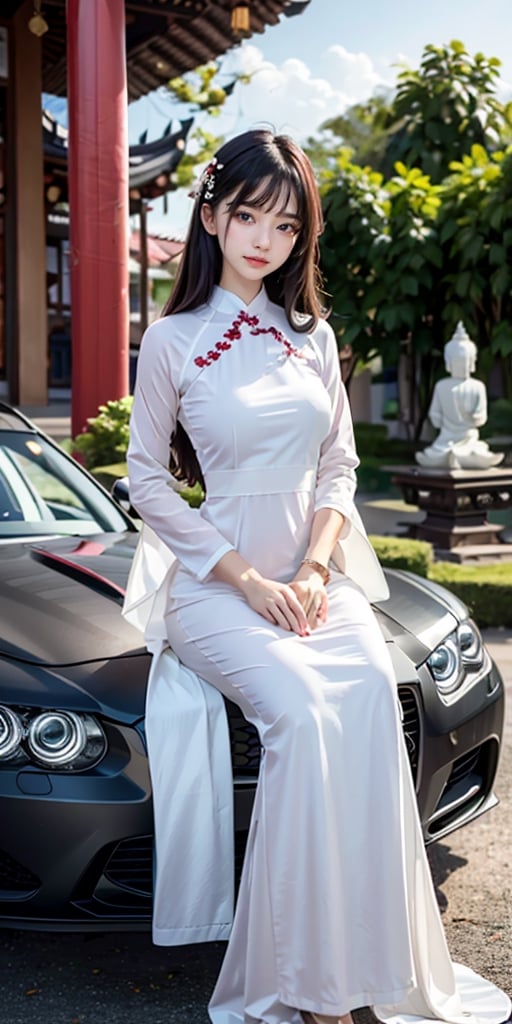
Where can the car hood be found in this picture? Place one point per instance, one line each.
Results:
(60, 600)
(419, 614)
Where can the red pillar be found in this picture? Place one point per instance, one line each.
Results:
(98, 192)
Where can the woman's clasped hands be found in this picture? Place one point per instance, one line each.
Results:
(298, 606)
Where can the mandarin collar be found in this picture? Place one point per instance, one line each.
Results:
(224, 301)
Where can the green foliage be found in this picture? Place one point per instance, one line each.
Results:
(499, 420)
(363, 130)
(444, 108)
(475, 229)
(107, 475)
(371, 438)
(205, 145)
(408, 253)
(106, 441)
(193, 495)
(201, 90)
(486, 589)
(402, 553)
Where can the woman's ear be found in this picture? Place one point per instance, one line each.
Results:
(208, 219)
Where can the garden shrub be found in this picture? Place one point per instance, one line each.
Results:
(402, 553)
(370, 438)
(106, 440)
(107, 475)
(485, 589)
(499, 419)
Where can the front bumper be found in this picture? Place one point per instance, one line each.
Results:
(76, 851)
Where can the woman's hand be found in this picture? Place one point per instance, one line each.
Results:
(276, 602)
(310, 590)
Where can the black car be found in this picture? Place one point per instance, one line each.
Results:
(76, 843)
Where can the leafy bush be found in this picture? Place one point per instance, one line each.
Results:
(402, 553)
(371, 477)
(194, 495)
(370, 438)
(486, 589)
(107, 475)
(106, 441)
(499, 420)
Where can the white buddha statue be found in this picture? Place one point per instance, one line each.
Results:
(458, 409)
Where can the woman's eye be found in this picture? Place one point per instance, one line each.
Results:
(288, 228)
(244, 216)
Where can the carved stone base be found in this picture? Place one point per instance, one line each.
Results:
(456, 503)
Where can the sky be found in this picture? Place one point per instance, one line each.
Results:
(313, 66)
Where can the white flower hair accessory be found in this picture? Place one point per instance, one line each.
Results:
(205, 185)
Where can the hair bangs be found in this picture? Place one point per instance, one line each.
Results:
(271, 192)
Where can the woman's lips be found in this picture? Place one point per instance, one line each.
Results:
(256, 261)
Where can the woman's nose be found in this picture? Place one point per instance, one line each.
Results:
(262, 238)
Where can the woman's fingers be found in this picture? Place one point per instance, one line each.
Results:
(313, 600)
(291, 610)
(278, 603)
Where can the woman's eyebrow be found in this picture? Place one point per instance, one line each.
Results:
(288, 215)
(255, 205)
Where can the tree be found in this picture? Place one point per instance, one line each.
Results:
(203, 94)
(444, 108)
(382, 260)
(475, 229)
(409, 253)
(363, 129)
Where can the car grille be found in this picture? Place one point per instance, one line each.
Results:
(130, 866)
(246, 749)
(16, 879)
(410, 725)
(467, 787)
(245, 744)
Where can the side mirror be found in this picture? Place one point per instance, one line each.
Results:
(120, 492)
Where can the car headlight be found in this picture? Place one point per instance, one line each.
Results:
(53, 739)
(11, 733)
(470, 643)
(444, 663)
(461, 653)
(56, 737)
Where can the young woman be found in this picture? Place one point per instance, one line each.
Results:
(267, 600)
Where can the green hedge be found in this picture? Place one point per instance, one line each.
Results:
(402, 553)
(107, 475)
(485, 589)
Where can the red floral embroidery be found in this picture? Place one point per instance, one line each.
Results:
(234, 332)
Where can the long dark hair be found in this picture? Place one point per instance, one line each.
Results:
(265, 169)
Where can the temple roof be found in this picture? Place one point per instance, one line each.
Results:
(150, 164)
(164, 38)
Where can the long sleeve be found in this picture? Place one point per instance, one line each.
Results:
(336, 478)
(195, 542)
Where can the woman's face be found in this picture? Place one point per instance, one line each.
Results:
(254, 240)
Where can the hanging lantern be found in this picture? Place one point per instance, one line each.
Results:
(37, 24)
(241, 19)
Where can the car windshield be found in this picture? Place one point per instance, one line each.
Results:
(43, 492)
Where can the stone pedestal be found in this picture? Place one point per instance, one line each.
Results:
(456, 503)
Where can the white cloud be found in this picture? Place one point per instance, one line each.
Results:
(289, 97)
(286, 97)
